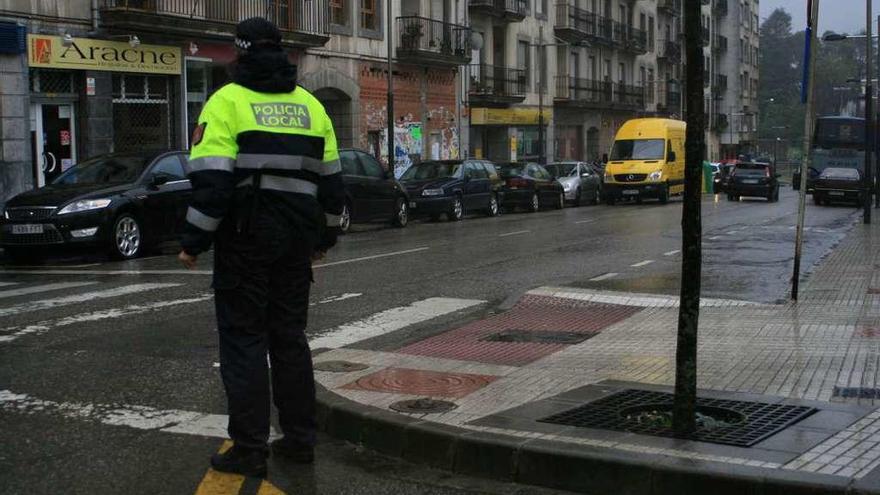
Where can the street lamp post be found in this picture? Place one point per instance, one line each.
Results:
(390, 97)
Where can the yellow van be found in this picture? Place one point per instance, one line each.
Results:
(646, 161)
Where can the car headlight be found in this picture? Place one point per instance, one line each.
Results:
(656, 175)
(84, 205)
(566, 186)
(433, 192)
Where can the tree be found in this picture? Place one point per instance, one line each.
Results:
(684, 406)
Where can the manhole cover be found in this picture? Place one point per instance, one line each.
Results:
(761, 420)
(340, 366)
(538, 337)
(423, 406)
(856, 392)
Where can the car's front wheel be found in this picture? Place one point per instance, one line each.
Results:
(128, 238)
(345, 219)
(560, 201)
(535, 203)
(456, 211)
(401, 213)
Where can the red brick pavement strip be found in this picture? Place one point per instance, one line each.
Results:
(532, 313)
(419, 382)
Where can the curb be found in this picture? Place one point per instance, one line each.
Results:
(562, 465)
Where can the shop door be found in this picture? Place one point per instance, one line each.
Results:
(54, 141)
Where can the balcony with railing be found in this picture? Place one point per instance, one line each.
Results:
(302, 24)
(721, 8)
(506, 10)
(719, 85)
(634, 40)
(495, 86)
(576, 25)
(669, 7)
(426, 41)
(669, 51)
(592, 93)
(720, 122)
(720, 45)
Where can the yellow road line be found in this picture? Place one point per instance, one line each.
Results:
(217, 483)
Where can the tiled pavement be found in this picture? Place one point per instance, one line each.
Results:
(825, 348)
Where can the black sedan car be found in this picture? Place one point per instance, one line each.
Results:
(371, 193)
(453, 188)
(753, 179)
(530, 186)
(121, 202)
(838, 184)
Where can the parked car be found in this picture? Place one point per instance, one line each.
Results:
(753, 179)
(453, 188)
(721, 179)
(530, 186)
(579, 181)
(122, 202)
(838, 184)
(371, 193)
(811, 179)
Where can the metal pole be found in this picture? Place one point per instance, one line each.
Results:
(810, 87)
(540, 59)
(390, 101)
(869, 116)
(730, 126)
(876, 170)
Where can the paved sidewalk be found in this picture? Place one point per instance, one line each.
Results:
(557, 348)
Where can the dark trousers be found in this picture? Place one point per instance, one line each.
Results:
(261, 284)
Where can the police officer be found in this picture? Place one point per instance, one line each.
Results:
(268, 192)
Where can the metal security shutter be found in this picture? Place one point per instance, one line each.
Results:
(141, 112)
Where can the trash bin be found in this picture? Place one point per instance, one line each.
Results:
(707, 178)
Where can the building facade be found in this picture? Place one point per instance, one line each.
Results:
(498, 79)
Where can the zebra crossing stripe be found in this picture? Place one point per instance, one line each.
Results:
(12, 333)
(43, 288)
(391, 320)
(79, 298)
(7, 284)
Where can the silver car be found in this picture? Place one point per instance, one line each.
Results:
(580, 182)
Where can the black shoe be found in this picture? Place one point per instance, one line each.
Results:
(296, 452)
(237, 460)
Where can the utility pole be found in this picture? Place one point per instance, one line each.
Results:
(540, 60)
(809, 97)
(390, 101)
(869, 116)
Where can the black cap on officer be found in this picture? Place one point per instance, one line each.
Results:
(256, 33)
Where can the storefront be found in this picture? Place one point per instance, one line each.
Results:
(89, 96)
(508, 134)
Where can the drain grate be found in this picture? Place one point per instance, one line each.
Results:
(339, 366)
(856, 392)
(761, 419)
(423, 406)
(515, 335)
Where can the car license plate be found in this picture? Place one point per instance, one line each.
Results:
(27, 229)
(630, 192)
(750, 181)
(412, 204)
(835, 193)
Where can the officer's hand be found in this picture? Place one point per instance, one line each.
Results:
(189, 261)
(318, 256)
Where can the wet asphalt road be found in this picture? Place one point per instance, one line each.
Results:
(142, 346)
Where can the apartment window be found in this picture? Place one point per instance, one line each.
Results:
(651, 34)
(607, 74)
(541, 8)
(642, 75)
(592, 68)
(369, 14)
(622, 14)
(756, 23)
(338, 13)
(621, 73)
(542, 69)
(651, 84)
(523, 59)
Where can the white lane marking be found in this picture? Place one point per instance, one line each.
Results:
(632, 298)
(603, 277)
(642, 263)
(375, 256)
(585, 221)
(7, 284)
(79, 298)
(518, 232)
(391, 320)
(43, 288)
(12, 333)
(341, 297)
(132, 416)
(672, 253)
(732, 232)
(715, 238)
(108, 272)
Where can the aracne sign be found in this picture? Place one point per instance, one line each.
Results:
(90, 54)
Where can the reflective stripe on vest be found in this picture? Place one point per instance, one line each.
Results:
(221, 163)
(286, 184)
(202, 221)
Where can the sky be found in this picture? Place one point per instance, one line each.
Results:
(843, 16)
